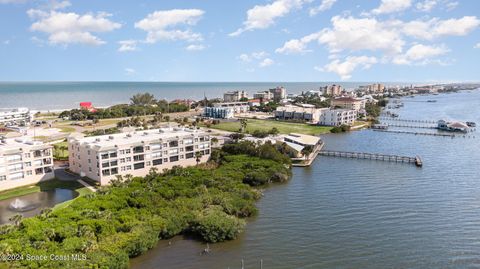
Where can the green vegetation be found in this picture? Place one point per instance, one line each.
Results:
(41, 186)
(60, 151)
(113, 130)
(141, 104)
(373, 109)
(267, 125)
(340, 129)
(208, 201)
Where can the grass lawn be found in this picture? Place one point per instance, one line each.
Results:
(41, 186)
(266, 125)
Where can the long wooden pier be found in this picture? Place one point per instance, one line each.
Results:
(406, 120)
(415, 133)
(373, 156)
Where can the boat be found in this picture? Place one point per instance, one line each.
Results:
(432, 101)
(471, 124)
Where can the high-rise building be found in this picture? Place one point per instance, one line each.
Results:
(333, 90)
(103, 158)
(279, 93)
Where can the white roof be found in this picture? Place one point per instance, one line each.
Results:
(17, 143)
(303, 139)
(109, 141)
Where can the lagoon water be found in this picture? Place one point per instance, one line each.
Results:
(347, 213)
(63, 95)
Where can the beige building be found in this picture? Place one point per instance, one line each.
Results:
(102, 158)
(333, 90)
(348, 103)
(234, 96)
(263, 95)
(24, 162)
(278, 93)
(306, 113)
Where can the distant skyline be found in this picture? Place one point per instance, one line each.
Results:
(276, 40)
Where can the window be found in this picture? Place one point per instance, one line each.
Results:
(27, 155)
(189, 148)
(157, 162)
(16, 176)
(138, 149)
(106, 172)
(129, 159)
(138, 166)
(114, 171)
(137, 158)
(104, 156)
(106, 164)
(38, 171)
(188, 141)
(122, 160)
(147, 148)
(28, 164)
(173, 158)
(114, 163)
(48, 169)
(121, 152)
(89, 161)
(189, 155)
(88, 152)
(29, 173)
(173, 151)
(128, 151)
(173, 143)
(89, 169)
(113, 155)
(207, 151)
(37, 153)
(155, 146)
(148, 163)
(2, 178)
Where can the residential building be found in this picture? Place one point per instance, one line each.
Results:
(299, 141)
(376, 88)
(234, 96)
(265, 96)
(333, 90)
(238, 107)
(348, 103)
(291, 112)
(24, 162)
(278, 93)
(219, 112)
(337, 117)
(103, 158)
(16, 116)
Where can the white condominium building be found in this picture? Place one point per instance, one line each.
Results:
(238, 107)
(102, 158)
(24, 162)
(234, 96)
(337, 117)
(21, 116)
(348, 103)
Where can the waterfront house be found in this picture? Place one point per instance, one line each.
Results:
(453, 126)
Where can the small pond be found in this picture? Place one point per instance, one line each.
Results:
(32, 204)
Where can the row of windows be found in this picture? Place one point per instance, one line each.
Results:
(37, 171)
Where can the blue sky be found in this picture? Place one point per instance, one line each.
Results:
(213, 40)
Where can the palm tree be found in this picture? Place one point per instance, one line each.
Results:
(243, 123)
(198, 156)
(142, 99)
(306, 151)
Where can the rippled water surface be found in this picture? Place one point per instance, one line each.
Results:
(345, 213)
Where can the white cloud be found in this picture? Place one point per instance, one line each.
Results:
(127, 45)
(477, 46)
(391, 6)
(325, 5)
(420, 54)
(349, 33)
(244, 57)
(70, 28)
(264, 16)
(161, 25)
(195, 47)
(451, 5)
(6, 42)
(427, 5)
(297, 46)
(433, 28)
(266, 62)
(54, 4)
(130, 71)
(344, 69)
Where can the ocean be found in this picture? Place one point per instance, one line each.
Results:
(54, 96)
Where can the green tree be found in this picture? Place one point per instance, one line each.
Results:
(142, 99)
(198, 157)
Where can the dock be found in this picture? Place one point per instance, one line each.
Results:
(415, 133)
(373, 156)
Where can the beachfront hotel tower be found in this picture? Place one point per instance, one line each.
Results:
(24, 162)
(102, 158)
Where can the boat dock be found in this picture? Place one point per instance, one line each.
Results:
(407, 120)
(415, 133)
(373, 156)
